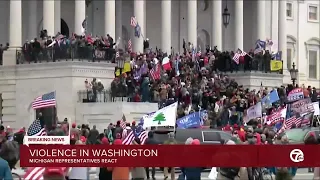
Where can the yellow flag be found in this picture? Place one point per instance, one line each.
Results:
(275, 65)
(126, 68)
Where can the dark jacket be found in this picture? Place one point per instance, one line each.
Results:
(5, 172)
(93, 134)
(192, 173)
(117, 130)
(104, 174)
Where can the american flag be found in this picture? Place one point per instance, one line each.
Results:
(36, 173)
(35, 129)
(133, 21)
(237, 56)
(123, 124)
(46, 100)
(129, 45)
(155, 72)
(293, 120)
(131, 136)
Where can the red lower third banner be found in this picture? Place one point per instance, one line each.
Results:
(170, 156)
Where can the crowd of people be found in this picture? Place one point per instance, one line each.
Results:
(60, 47)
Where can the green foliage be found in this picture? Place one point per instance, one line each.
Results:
(160, 118)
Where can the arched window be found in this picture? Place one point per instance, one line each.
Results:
(291, 50)
(312, 53)
(203, 40)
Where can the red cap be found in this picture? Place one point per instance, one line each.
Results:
(117, 142)
(195, 142)
(83, 139)
(133, 123)
(105, 140)
(53, 171)
(235, 126)
(74, 125)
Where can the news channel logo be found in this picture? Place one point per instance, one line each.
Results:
(296, 155)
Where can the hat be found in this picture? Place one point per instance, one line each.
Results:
(117, 142)
(230, 142)
(74, 125)
(53, 171)
(195, 142)
(171, 134)
(105, 140)
(133, 123)
(189, 141)
(235, 126)
(83, 139)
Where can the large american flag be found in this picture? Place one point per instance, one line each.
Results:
(293, 120)
(36, 173)
(131, 136)
(237, 56)
(46, 100)
(155, 72)
(35, 129)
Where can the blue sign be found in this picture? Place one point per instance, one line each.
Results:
(190, 121)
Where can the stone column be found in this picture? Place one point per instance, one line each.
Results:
(33, 30)
(48, 17)
(216, 35)
(79, 15)
(192, 22)
(238, 18)
(139, 13)
(261, 20)
(119, 23)
(15, 33)
(166, 26)
(110, 18)
(282, 35)
(57, 16)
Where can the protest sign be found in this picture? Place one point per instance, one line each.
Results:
(295, 94)
(316, 108)
(254, 112)
(302, 106)
(99, 54)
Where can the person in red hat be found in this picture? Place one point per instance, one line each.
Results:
(75, 131)
(192, 173)
(104, 173)
(53, 173)
(119, 172)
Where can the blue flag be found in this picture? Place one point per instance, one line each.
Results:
(270, 98)
(190, 121)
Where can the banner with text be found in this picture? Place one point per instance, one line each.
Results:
(254, 112)
(162, 156)
(302, 106)
(295, 94)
